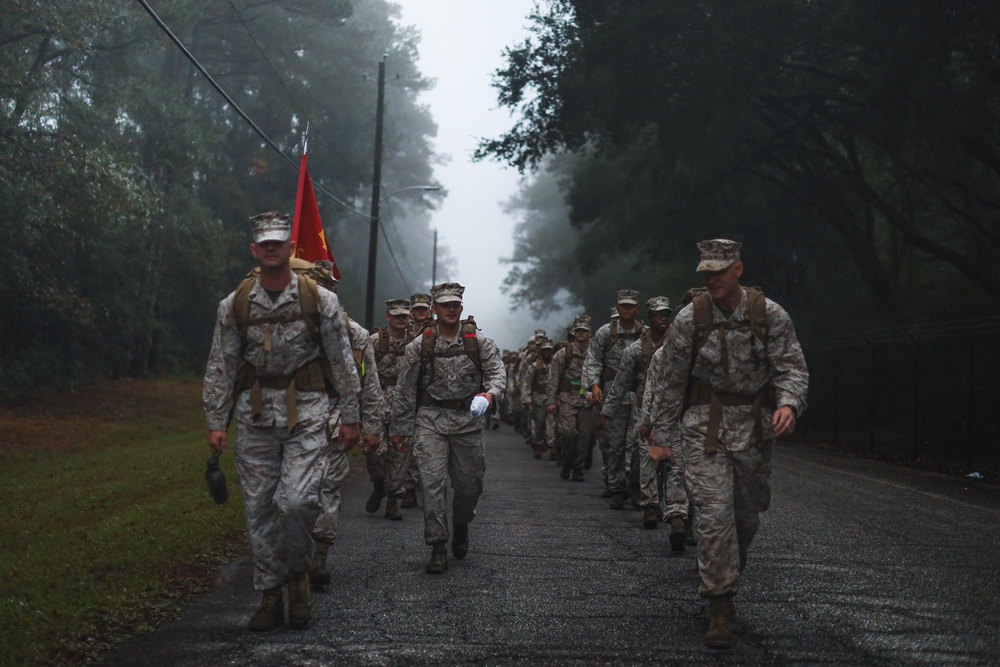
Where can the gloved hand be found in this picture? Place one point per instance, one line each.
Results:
(479, 406)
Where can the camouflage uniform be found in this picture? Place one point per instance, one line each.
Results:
(386, 465)
(411, 478)
(675, 495)
(731, 485)
(534, 385)
(632, 373)
(373, 407)
(448, 441)
(600, 368)
(574, 418)
(280, 466)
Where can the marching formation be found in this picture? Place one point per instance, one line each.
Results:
(683, 414)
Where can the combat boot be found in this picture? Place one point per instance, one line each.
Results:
(318, 574)
(538, 453)
(391, 509)
(375, 499)
(650, 518)
(460, 540)
(565, 472)
(271, 613)
(720, 622)
(299, 601)
(438, 564)
(617, 501)
(678, 538)
(409, 499)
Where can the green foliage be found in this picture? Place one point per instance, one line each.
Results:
(852, 147)
(127, 180)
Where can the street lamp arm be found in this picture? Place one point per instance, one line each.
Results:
(426, 188)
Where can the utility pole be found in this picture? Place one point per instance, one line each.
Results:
(434, 263)
(376, 194)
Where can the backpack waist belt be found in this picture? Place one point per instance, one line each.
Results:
(570, 386)
(426, 400)
(308, 377)
(702, 393)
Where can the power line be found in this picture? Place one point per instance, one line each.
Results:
(208, 77)
(392, 255)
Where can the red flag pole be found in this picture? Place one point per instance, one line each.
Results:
(303, 175)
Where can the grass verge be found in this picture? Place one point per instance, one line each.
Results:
(106, 527)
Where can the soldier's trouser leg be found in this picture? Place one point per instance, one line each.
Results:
(567, 428)
(615, 432)
(581, 443)
(602, 446)
(338, 467)
(396, 466)
(729, 490)
(412, 475)
(280, 474)
(434, 453)
(648, 482)
(675, 489)
(538, 421)
(550, 432)
(377, 463)
(634, 457)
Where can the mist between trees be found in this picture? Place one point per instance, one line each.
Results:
(128, 181)
(851, 146)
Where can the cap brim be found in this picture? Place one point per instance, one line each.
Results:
(448, 299)
(661, 310)
(398, 311)
(272, 236)
(714, 264)
(628, 302)
(420, 305)
(581, 328)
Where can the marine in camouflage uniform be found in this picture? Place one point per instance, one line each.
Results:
(603, 359)
(631, 377)
(373, 408)
(388, 468)
(534, 386)
(566, 401)
(281, 411)
(748, 385)
(420, 314)
(432, 402)
(675, 500)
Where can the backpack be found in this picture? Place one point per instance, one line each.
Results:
(701, 392)
(314, 376)
(428, 342)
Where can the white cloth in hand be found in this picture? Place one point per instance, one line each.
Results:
(479, 406)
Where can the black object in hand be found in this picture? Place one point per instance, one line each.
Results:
(216, 480)
(663, 468)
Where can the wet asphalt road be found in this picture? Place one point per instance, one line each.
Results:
(856, 563)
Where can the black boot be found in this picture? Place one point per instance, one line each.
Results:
(375, 499)
(438, 564)
(460, 540)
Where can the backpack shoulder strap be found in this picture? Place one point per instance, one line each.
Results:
(471, 342)
(612, 337)
(702, 306)
(239, 312)
(756, 312)
(309, 303)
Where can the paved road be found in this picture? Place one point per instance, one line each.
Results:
(855, 563)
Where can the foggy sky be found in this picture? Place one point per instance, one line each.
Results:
(461, 46)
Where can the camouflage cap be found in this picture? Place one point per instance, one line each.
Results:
(420, 300)
(628, 296)
(447, 293)
(582, 322)
(545, 344)
(614, 312)
(539, 333)
(397, 307)
(659, 303)
(718, 254)
(271, 226)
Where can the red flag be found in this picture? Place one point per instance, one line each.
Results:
(307, 229)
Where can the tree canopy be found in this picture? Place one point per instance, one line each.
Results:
(853, 147)
(128, 180)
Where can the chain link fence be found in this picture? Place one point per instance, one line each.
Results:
(928, 394)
